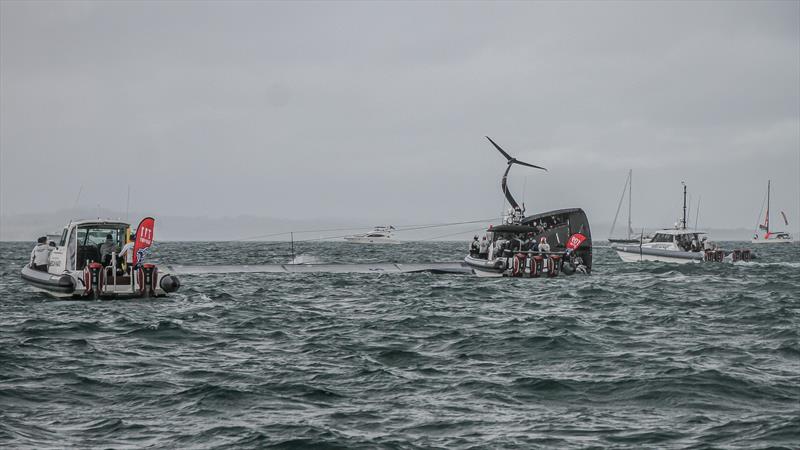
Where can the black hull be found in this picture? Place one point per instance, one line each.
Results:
(561, 224)
(624, 241)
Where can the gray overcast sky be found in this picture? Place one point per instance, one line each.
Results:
(378, 110)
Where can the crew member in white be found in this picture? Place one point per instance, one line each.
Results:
(483, 250)
(543, 245)
(127, 251)
(40, 254)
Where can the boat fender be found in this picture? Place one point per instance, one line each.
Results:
(170, 283)
(140, 281)
(519, 265)
(536, 266)
(87, 281)
(153, 281)
(554, 265)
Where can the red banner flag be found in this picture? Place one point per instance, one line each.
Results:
(575, 241)
(144, 238)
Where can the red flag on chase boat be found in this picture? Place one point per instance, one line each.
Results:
(144, 238)
(575, 241)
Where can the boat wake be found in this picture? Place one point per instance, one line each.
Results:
(305, 259)
(770, 264)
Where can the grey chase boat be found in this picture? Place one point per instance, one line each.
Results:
(547, 244)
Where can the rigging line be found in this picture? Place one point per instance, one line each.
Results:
(697, 215)
(619, 206)
(78, 198)
(410, 228)
(297, 232)
(758, 220)
(404, 229)
(455, 234)
(443, 225)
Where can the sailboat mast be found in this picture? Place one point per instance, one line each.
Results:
(684, 206)
(630, 189)
(767, 222)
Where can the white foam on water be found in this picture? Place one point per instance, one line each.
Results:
(304, 259)
(772, 264)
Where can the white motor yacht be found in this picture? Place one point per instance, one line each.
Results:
(678, 245)
(379, 235)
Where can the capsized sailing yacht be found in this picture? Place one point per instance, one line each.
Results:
(542, 245)
(770, 237)
(631, 238)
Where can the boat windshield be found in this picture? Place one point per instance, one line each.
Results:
(662, 237)
(91, 239)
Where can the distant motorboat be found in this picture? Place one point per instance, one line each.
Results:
(771, 237)
(677, 245)
(378, 235)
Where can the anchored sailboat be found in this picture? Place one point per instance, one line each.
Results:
(630, 239)
(769, 236)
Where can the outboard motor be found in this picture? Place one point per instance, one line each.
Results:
(537, 265)
(736, 255)
(746, 256)
(95, 279)
(150, 275)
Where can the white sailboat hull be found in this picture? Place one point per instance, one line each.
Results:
(772, 241)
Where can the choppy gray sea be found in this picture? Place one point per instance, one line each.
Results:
(645, 355)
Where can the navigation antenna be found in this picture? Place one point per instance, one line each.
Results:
(683, 224)
(511, 161)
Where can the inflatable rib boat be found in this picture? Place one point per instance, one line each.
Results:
(78, 268)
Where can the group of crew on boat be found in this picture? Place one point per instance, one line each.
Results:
(506, 244)
(108, 249)
(533, 246)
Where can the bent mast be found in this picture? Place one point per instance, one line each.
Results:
(511, 161)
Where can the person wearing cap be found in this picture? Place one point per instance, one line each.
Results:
(106, 249)
(474, 247)
(40, 255)
(543, 245)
